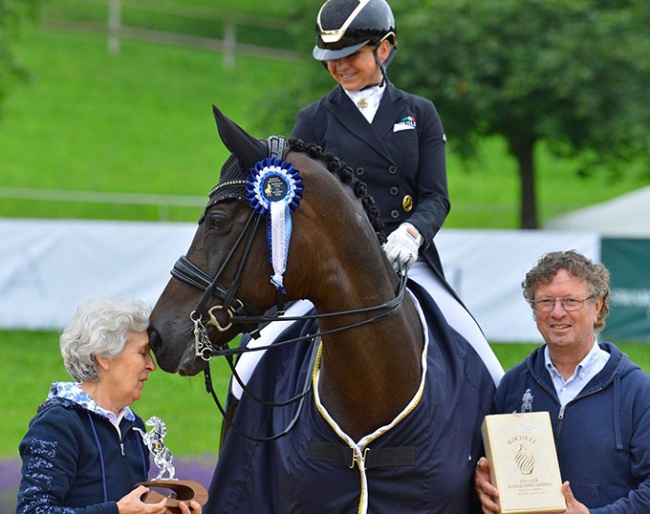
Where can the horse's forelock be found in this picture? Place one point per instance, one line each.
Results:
(233, 177)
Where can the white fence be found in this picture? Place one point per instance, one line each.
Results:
(115, 29)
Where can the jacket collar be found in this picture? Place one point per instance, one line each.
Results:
(344, 110)
(617, 365)
(72, 392)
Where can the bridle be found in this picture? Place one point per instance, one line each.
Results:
(238, 312)
(231, 306)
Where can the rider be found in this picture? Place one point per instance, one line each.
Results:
(396, 143)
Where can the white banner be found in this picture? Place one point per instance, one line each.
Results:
(49, 267)
(486, 268)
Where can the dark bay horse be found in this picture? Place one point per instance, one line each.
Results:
(387, 399)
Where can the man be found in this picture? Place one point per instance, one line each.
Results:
(599, 401)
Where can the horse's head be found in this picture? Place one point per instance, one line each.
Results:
(231, 269)
(225, 265)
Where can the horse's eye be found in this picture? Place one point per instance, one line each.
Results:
(219, 220)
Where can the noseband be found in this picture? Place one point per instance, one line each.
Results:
(232, 307)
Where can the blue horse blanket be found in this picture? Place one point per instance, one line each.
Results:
(426, 456)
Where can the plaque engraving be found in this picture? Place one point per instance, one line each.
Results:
(523, 462)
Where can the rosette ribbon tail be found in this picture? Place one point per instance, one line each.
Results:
(279, 228)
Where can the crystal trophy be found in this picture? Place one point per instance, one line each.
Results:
(181, 490)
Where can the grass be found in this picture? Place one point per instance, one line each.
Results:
(140, 122)
(31, 362)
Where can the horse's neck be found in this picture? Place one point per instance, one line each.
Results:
(371, 372)
(368, 373)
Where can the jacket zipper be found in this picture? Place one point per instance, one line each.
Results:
(561, 413)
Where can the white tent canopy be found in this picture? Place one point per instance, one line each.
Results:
(627, 215)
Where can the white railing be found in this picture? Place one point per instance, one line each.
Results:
(162, 202)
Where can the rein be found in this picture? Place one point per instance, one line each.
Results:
(204, 347)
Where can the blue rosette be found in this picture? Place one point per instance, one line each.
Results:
(274, 190)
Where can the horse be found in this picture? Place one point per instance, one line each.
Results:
(371, 402)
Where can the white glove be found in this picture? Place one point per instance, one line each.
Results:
(402, 246)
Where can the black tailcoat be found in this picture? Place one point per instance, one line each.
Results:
(400, 156)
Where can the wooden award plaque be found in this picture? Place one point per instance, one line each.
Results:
(523, 462)
(181, 490)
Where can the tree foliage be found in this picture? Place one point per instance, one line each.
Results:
(572, 73)
(14, 15)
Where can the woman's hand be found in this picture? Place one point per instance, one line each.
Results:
(193, 508)
(402, 246)
(132, 503)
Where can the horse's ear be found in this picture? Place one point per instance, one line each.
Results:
(245, 147)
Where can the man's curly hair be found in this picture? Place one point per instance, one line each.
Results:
(577, 265)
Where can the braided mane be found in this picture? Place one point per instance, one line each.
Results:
(346, 175)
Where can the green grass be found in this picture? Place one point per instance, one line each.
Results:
(190, 17)
(31, 362)
(141, 122)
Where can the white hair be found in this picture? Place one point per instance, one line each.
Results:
(100, 328)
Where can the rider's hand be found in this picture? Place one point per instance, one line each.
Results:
(402, 246)
(132, 503)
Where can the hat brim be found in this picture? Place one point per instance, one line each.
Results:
(326, 54)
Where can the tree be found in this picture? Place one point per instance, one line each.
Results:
(572, 73)
(14, 15)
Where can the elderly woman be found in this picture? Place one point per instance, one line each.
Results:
(82, 453)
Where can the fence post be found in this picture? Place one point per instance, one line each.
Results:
(229, 43)
(114, 25)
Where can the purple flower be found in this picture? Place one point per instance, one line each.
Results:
(199, 469)
(9, 481)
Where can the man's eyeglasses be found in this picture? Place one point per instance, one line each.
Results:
(568, 304)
